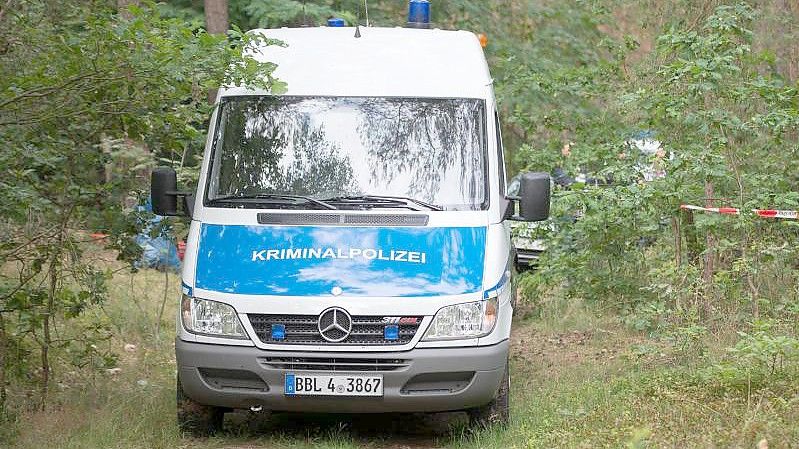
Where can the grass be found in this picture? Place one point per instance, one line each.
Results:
(580, 380)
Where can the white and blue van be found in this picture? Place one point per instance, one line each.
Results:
(348, 249)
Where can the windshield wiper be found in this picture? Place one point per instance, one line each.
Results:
(381, 200)
(264, 198)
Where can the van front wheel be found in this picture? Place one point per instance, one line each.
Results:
(197, 419)
(496, 412)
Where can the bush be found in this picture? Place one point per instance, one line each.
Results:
(88, 101)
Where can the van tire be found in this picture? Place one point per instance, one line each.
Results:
(196, 419)
(496, 412)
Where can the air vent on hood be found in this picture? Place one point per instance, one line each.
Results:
(343, 219)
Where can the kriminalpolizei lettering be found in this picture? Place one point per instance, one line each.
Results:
(394, 255)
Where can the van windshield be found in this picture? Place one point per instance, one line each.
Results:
(342, 149)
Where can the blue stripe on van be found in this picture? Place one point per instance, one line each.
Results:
(360, 261)
(500, 284)
(186, 289)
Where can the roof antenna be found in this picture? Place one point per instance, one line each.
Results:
(358, 22)
(304, 14)
(366, 7)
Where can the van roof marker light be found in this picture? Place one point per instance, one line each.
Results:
(483, 39)
(418, 14)
(336, 22)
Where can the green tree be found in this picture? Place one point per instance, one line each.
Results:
(88, 100)
(727, 122)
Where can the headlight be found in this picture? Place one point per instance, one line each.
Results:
(212, 318)
(468, 320)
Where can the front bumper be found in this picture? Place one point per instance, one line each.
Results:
(427, 380)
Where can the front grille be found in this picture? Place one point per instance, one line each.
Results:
(332, 364)
(304, 330)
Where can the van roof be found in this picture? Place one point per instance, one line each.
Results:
(391, 62)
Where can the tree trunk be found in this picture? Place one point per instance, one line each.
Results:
(47, 340)
(122, 6)
(216, 16)
(216, 22)
(53, 276)
(710, 248)
(675, 227)
(691, 239)
(710, 255)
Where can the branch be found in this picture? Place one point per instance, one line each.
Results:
(55, 112)
(19, 287)
(46, 90)
(13, 252)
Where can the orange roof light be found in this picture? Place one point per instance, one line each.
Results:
(483, 39)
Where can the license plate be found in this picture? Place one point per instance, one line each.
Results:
(338, 385)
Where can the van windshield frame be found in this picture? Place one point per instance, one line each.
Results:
(410, 153)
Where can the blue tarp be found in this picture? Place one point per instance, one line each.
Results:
(159, 252)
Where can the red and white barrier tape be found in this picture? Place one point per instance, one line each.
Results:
(767, 213)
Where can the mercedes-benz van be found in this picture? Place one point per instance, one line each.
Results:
(348, 249)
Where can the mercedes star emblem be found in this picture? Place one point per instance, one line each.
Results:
(335, 324)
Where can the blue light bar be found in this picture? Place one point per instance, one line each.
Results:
(419, 14)
(336, 22)
(391, 332)
(278, 332)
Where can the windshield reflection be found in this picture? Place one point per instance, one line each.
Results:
(431, 150)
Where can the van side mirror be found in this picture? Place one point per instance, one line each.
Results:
(534, 196)
(164, 193)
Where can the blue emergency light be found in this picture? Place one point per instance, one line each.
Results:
(418, 14)
(278, 332)
(336, 22)
(391, 332)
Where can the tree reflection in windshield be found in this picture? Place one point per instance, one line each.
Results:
(432, 140)
(428, 149)
(268, 149)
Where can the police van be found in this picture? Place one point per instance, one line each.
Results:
(349, 249)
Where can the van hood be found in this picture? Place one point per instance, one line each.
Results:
(340, 260)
